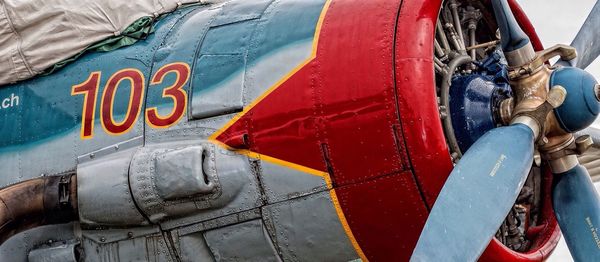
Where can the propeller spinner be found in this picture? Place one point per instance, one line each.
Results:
(549, 106)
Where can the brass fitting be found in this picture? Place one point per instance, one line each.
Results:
(507, 106)
(530, 84)
(562, 157)
(524, 68)
(531, 91)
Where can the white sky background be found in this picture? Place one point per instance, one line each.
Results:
(557, 22)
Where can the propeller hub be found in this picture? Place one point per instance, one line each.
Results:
(533, 83)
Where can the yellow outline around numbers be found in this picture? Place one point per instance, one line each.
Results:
(85, 106)
(164, 95)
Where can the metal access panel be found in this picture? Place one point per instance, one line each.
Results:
(281, 183)
(19, 247)
(308, 229)
(220, 67)
(248, 241)
(193, 247)
(217, 85)
(133, 244)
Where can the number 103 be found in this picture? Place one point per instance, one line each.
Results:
(89, 89)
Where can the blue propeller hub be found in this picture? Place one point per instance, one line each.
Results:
(581, 106)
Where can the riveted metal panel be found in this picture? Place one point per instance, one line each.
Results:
(193, 248)
(217, 85)
(157, 249)
(235, 186)
(241, 10)
(131, 250)
(247, 241)
(308, 229)
(100, 252)
(282, 183)
(228, 39)
(183, 173)
(119, 147)
(10, 129)
(181, 45)
(144, 248)
(279, 60)
(101, 236)
(282, 41)
(16, 249)
(64, 252)
(220, 67)
(43, 115)
(149, 187)
(196, 130)
(10, 165)
(131, 244)
(220, 222)
(32, 116)
(103, 191)
(239, 191)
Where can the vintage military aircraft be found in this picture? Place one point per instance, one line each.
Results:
(306, 130)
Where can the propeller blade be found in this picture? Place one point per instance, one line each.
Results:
(577, 208)
(513, 37)
(586, 41)
(477, 196)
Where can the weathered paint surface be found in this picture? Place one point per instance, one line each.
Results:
(342, 115)
(344, 148)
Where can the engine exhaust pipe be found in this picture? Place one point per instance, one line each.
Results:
(38, 202)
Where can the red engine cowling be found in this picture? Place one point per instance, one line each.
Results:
(424, 136)
(363, 109)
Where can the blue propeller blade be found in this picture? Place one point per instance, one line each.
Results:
(513, 36)
(477, 196)
(577, 208)
(586, 41)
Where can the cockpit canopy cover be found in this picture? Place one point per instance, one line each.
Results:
(36, 34)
